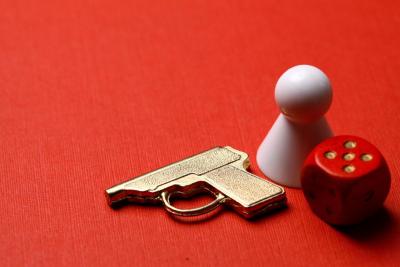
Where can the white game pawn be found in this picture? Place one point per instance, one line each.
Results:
(304, 95)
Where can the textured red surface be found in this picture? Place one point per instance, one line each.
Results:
(93, 92)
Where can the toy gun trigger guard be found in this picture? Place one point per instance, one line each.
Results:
(165, 197)
(188, 186)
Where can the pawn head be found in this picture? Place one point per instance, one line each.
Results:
(303, 93)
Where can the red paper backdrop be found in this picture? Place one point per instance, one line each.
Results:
(94, 92)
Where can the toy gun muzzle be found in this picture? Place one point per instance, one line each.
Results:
(220, 171)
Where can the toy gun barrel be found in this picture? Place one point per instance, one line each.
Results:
(116, 194)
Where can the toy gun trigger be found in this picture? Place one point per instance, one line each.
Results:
(188, 186)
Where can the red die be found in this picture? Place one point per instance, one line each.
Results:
(345, 179)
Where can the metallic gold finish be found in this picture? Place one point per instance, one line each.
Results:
(366, 157)
(349, 156)
(330, 154)
(350, 144)
(349, 168)
(220, 171)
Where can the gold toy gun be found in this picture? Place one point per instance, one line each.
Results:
(220, 171)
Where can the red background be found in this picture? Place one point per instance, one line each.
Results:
(94, 92)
